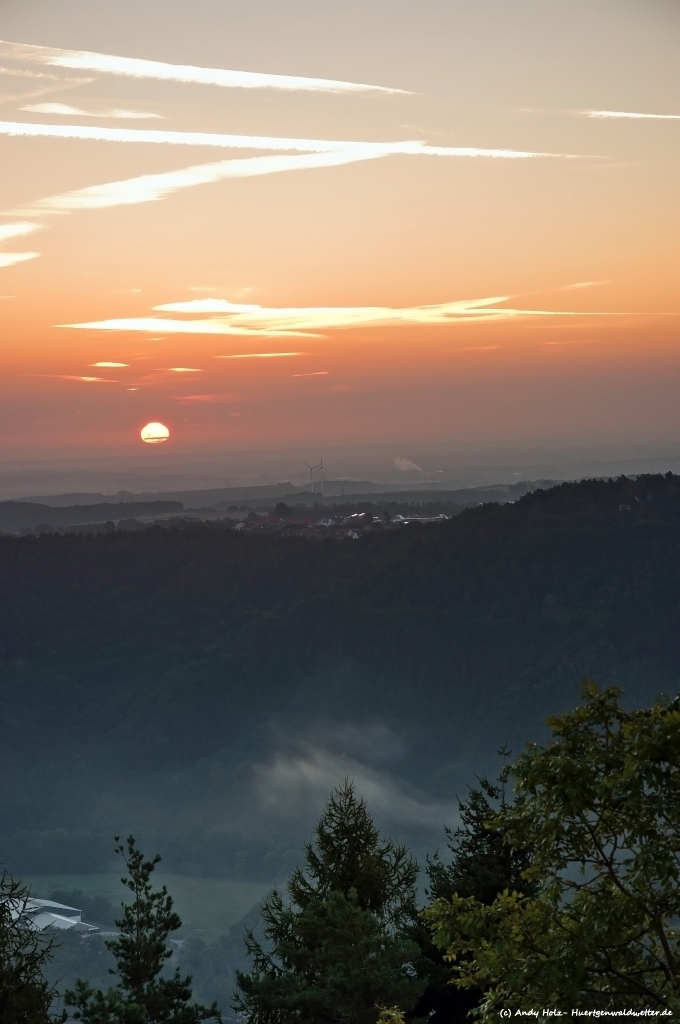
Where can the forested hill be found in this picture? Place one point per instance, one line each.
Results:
(153, 679)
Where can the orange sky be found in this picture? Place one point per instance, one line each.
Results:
(382, 234)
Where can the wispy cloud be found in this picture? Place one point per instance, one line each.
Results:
(261, 318)
(18, 230)
(64, 110)
(153, 325)
(9, 259)
(70, 376)
(110, 366)
(314, 373)
(183, 369)
(627, 114)
(57, 83)
(578, 285)
(133, 67)
(262, 355)
(478, 348)
(211, 399)
(252, 320)
(23, 73)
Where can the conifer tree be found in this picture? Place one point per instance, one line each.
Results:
(483, 862)
(25, 994)
(337, 949)
(482, 865)
(143, 995)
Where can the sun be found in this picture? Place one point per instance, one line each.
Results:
(154, 433)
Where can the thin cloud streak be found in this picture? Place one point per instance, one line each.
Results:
(207, 399)
(133, 67)
(19, 230)
(582, 284)
(9, 259)
(59, 84)
(69, 376)
(149, 188)
(155, 324)
(306, 322)
(64, 110)
(215, 140)
(263, 355)
(262, 319)
(632, 115)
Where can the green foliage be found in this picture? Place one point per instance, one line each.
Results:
(75, 956)
(390, 1015)
(483, 864)
(25, 994)
(599, 807)
(143, 995)
(337, 949)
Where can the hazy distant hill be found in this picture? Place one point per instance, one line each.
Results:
(15, 515)
(206, 688)
(269, 494)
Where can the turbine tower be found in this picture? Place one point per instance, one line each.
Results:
(312, 471)
(322, 469)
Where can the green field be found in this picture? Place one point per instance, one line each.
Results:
(207, 906)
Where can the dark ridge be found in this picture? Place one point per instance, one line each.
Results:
(148, 678)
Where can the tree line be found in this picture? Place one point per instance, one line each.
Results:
(468, 633)
(560, 889)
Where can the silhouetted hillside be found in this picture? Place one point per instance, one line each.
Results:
(15, 515)
(200, 686)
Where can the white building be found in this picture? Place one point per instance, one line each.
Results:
(40, 914)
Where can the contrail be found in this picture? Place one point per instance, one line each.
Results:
(147, 188)
(628, 114)
(133, 67)
(97, 133)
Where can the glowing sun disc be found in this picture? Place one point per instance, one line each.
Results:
(154, 433)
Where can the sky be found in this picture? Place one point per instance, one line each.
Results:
(405, 234)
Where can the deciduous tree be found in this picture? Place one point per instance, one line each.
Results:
(599, 808)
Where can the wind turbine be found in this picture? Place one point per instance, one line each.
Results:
(322, 469)
(312, 471)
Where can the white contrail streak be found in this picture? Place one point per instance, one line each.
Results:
(20, 230)
(133, 67)
(65, 110)
(9, 259)
(159, 325)
(263, 355)
(97, 133)
(628, 114)
(149, 188)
